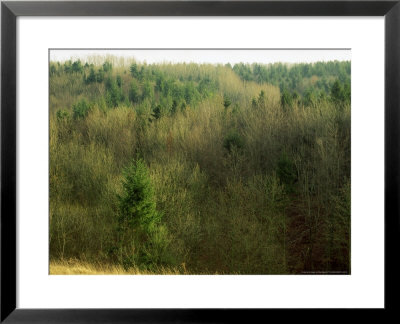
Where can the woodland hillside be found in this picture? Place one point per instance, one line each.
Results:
(200, 168)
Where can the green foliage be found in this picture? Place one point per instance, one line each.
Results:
(261, 97)
(233, 141)
(254, 103)
(77, 67)
(100, 76)
(286, 99)
(340, 93)
(53, 70)
(297, 78)
(134, 70)
(310, 98)
(68, 67)
(260, 102)
(119, 81)
(295, 97)
(81, 109)
(286, 171)
(174, 107)
(92, 76)
(143, 241)
(227, 102)
(114, 94)
(337, 91)
(156, 114)
(191, 93)
(62, 114)
(137, 207)
(107, 66)
(244, 71)
(147, 91)
(71, 67)
(134, 92)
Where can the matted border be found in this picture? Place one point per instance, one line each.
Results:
(10, 10)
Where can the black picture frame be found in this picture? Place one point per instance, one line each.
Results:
(9, 13)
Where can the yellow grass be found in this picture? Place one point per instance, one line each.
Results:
(75, 267)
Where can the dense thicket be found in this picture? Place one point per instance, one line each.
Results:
(204, 168)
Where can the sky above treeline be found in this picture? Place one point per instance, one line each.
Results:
(214, 56)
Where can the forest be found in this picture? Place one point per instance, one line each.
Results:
(187, 168)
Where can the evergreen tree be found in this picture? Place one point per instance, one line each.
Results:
(337, 92)
(107, 66)
(174, 107)
(134, 70)
(286, 99)
(309, 97)
(77, 67)
(119, 81)
(261, 99)
(227, 102)
(114, 94)
(134, 92)
(156, 112)
(148, 91)
(137, 207)
(142, 239)
(100, 76)
(80, 109)
(254, 103)
(92, 76)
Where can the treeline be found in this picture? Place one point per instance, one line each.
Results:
(144, 85)
(196, 168)
(305, 82)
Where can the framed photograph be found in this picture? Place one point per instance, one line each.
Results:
(196, 161)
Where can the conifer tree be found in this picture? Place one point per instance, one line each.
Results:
(137, 205)
(227, 102)
(142, 239)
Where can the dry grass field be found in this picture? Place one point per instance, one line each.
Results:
(76, 267)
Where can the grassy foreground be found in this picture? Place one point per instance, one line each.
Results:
(75, 267)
